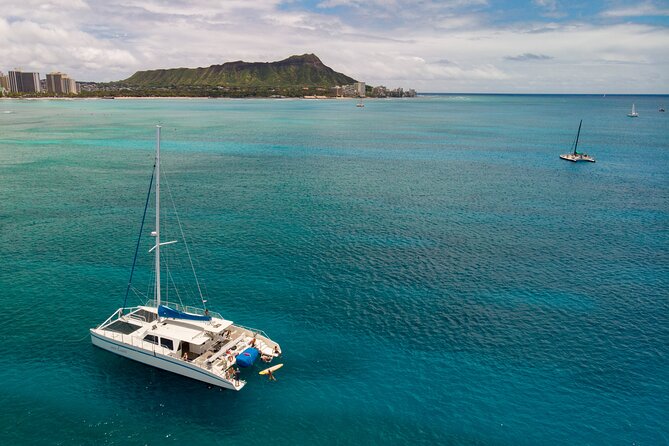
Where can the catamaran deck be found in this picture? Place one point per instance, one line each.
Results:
(204, 350)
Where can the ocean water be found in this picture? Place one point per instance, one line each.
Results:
(434, 272)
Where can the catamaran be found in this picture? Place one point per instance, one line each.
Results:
(193, 342)
(575, 156)
(633, 114)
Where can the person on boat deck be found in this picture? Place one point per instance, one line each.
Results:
(276, 350)
(253, 341)
(266, 358)
(235, 374)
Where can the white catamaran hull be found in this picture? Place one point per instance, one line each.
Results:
(160, 361)
(576, 158)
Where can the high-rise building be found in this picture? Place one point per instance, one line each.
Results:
(24, 82)
(4, 82)
(60, 83)
(15, 82)
(360, 88)
(54, 83)
(71, 86)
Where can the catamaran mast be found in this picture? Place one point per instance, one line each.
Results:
(157, 216)
(579, 132)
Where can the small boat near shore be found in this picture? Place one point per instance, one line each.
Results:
(575, 156)
(192, 342)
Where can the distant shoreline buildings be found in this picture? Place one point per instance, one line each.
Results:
(297, 76)
(19, 83)
(360, 90)
(56, 83)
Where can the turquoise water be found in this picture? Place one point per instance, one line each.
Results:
(434, 272)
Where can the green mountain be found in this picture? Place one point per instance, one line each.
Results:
(306, 70)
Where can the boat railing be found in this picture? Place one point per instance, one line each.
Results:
(116, 313)
(254, 330)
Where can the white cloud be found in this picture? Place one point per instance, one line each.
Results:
(109, 40)
(528, 57)
(47, 47)
(551, 8)
(637, 10)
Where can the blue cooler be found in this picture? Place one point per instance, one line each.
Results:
(247, 357)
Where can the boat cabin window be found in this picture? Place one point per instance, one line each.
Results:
(151, 338)
(167, 343)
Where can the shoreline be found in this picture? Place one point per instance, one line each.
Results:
(179, 98)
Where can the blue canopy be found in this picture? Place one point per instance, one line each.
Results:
(164, 311)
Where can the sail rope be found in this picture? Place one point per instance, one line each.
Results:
(174, 284)
(183, 237)
(139, 238)
(139, 294)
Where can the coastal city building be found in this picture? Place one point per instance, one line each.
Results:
(24, 82)
(73, 87)
(60, 83)
(380, 91)
(89, 86)
(4, 83)
(54, 82)
(359, 89)
(349, 91)
(400, 93)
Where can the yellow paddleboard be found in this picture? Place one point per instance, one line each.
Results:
(270, 369)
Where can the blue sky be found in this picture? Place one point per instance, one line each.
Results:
(534, 46)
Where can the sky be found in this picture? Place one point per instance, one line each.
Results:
(496, 46)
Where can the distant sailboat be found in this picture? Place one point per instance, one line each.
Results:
(575, 156)
(634, 114)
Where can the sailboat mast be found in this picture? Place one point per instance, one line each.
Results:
(157, 216)
(577, 135)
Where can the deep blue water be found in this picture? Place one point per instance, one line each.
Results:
(434, 272)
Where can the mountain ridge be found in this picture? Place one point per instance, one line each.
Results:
(304, 70)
